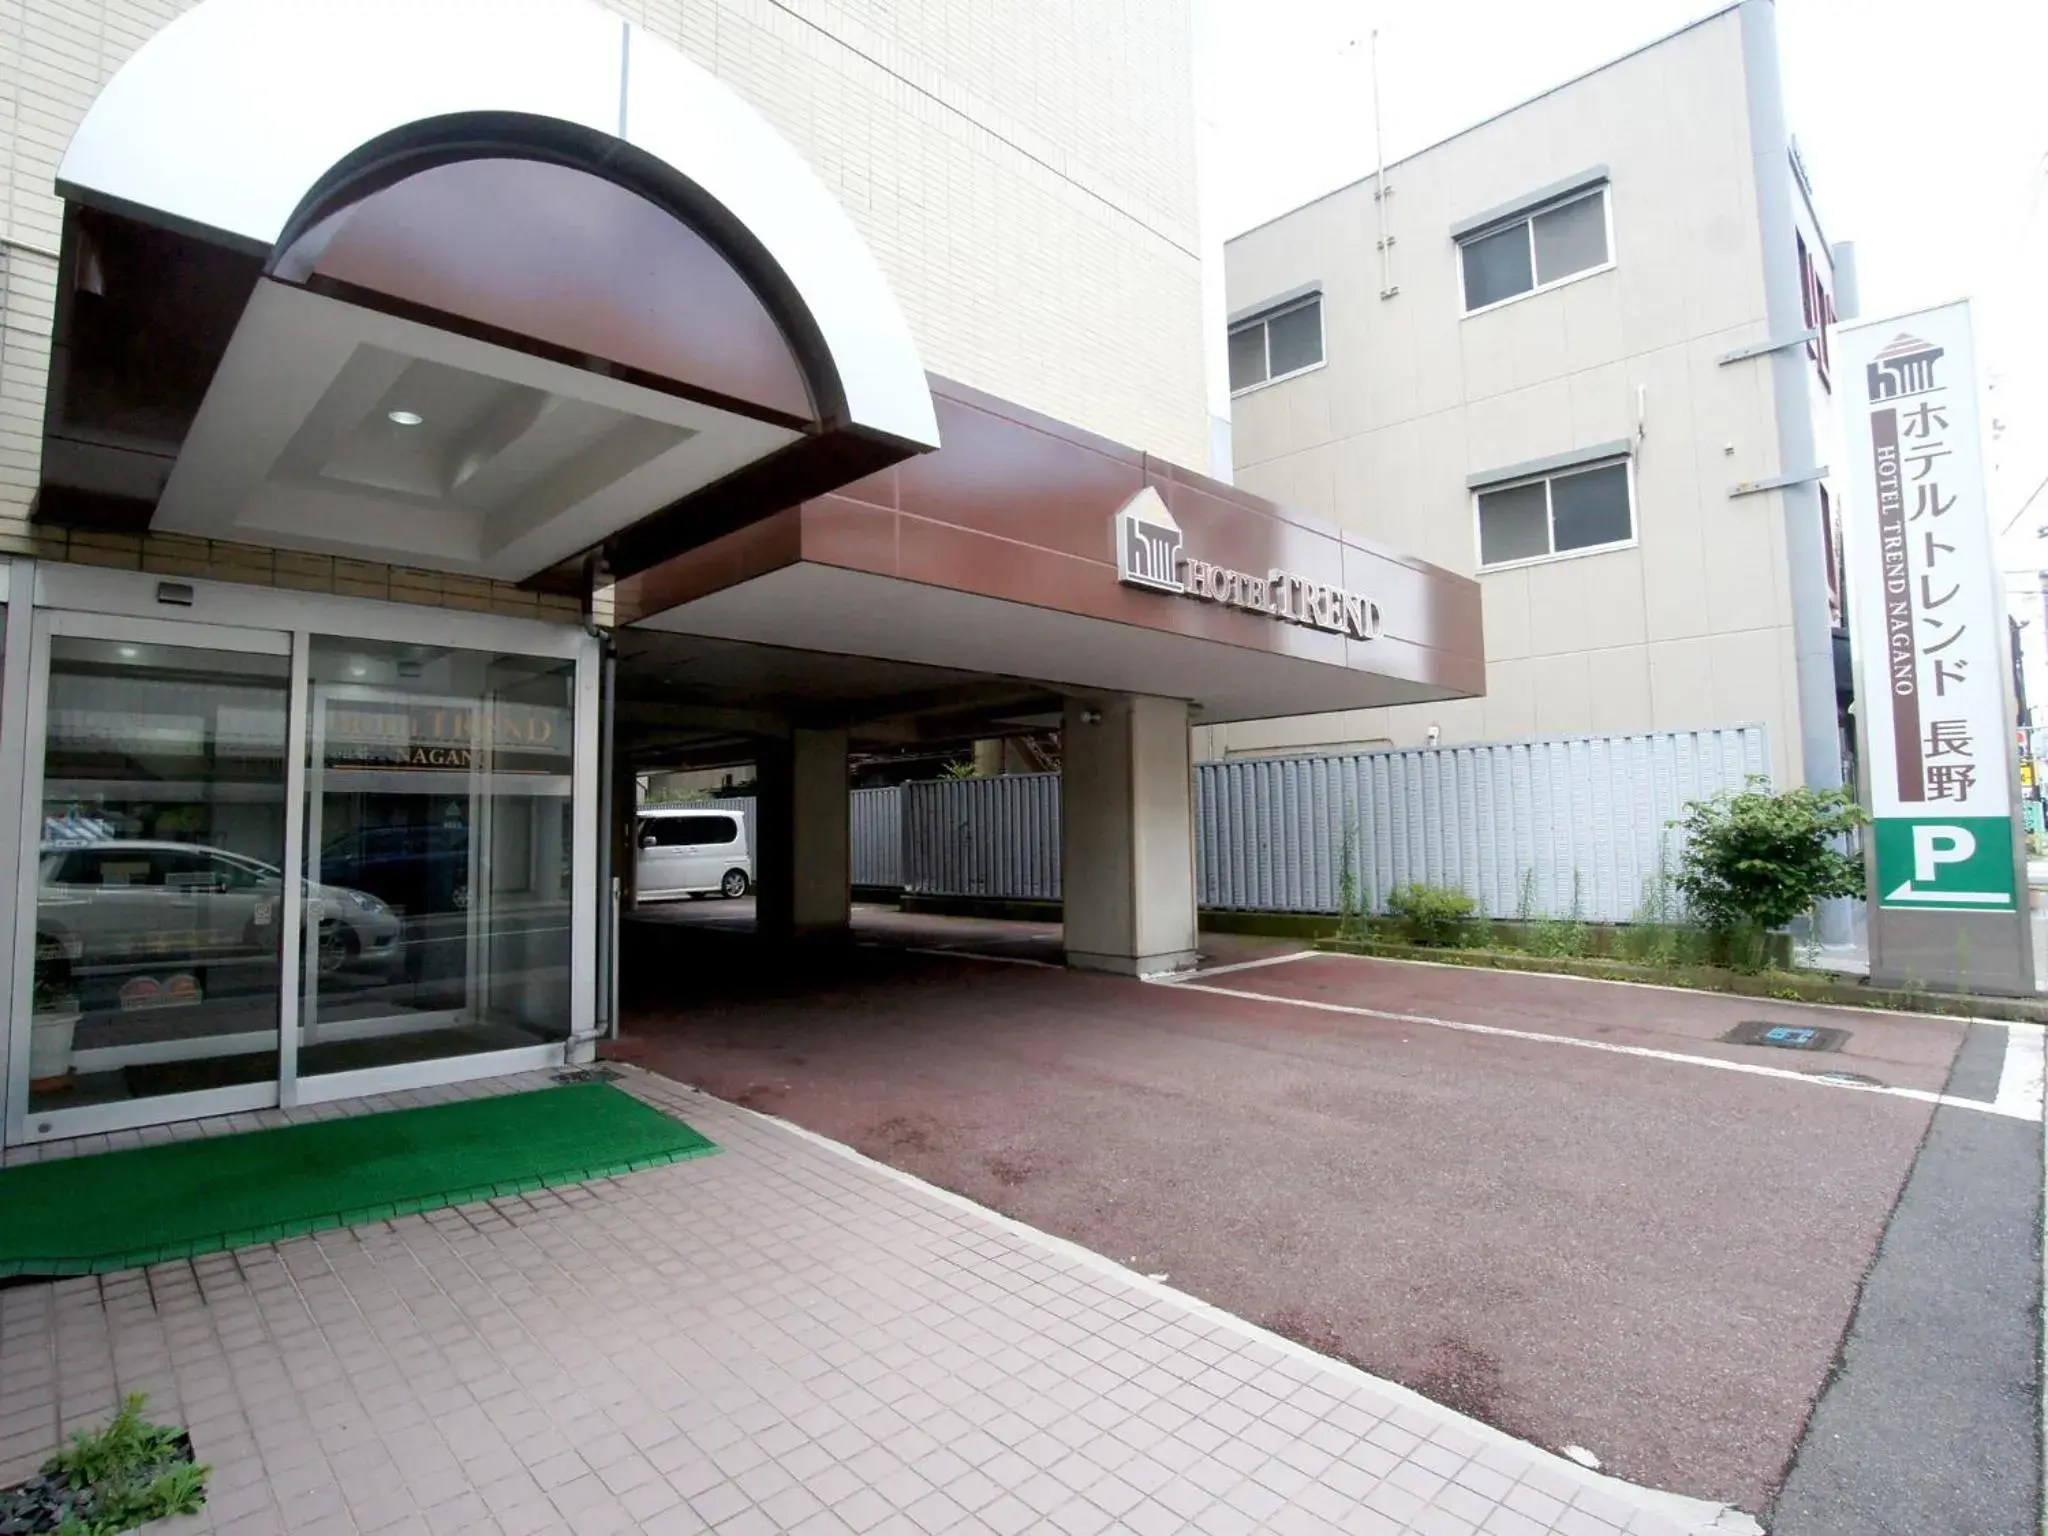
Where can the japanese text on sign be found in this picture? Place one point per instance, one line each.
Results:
(1926, 613)
(1941, 738)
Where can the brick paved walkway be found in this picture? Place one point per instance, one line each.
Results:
(783, 1337)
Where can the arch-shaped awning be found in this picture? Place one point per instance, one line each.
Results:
(304, 138)
(228, 118)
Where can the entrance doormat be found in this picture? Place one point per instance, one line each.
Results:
(116, 1210)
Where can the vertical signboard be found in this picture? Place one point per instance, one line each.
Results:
(1927, 616)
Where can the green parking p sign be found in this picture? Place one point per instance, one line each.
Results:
(1963, 864)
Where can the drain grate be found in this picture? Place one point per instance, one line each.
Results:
(1786, 1037)
(587, 1075)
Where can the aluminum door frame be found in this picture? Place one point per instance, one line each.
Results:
(50, 624)
(137, 601)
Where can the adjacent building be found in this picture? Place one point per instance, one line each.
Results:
(1580, 352)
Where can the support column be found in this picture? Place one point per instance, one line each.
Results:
(802, 833)
(1127, 844)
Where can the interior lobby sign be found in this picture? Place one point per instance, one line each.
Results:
(1927, 615)
(1149, 554)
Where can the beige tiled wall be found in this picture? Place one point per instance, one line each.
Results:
(1693, 626)
(176, 554)
(1023, 173)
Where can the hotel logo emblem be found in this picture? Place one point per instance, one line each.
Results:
(1906, 367)
(1148, 544)
(1149, 554)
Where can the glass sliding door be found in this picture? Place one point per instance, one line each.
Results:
(157, 828)
(439, 832)
(263, 865)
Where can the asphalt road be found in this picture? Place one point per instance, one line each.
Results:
(1648, 1258)
(1931, 1419)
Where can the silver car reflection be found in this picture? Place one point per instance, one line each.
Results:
(110, 901)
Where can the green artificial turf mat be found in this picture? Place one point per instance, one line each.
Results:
(116, 1210)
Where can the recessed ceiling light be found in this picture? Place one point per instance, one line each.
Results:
(404, 418)
(357, 669)
(129, 653)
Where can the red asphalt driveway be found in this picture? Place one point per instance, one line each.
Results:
(1652, 1259)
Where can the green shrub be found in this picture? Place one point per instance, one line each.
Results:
(1430, 914)
(1564, 937)
(125, 1474)
(1755, 860)
(1656, 932)
(1744, 947)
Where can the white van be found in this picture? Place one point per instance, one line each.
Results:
(692, 852)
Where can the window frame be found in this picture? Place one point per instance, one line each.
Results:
(1527, 221)
(1817, 308)
(253, 871)
(697, 821)
(690, 821)
(1263, 320)
(1831, 544)
(1628, 463)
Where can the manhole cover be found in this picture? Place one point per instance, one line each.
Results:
(587, 1075)
(1787, 1037)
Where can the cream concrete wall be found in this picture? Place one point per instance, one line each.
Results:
(1024, 174)
(1692, 627)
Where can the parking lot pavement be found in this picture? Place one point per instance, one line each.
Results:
(876, 925)
(1620, 1250)
(780, 1338)
(1911, 1051)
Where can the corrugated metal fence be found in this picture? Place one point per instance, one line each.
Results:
(983, 837)
(1528, 827)
(1537, 828)
(878, 837)
(744, 804)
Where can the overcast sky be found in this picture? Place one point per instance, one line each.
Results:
(1924, 127)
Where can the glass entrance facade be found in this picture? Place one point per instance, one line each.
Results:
(262, 865)
(159, 882)
(439, 840)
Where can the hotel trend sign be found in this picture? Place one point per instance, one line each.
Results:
(1927, 615)
(367, 732)
(1149, 554)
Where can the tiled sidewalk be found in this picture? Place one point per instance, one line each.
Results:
(782, 1337)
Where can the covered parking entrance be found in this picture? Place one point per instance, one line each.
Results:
(486, 403)
(1023, 578)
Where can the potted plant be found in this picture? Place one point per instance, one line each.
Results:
(50, 1031)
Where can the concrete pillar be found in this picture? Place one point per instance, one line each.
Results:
(1127, 835)
(802, 834)
(991, 758)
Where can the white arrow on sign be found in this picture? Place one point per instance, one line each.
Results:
(1975, 898)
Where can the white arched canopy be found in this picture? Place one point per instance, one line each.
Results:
(226, 119)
